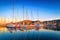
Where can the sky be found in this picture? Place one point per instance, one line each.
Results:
(30, 9)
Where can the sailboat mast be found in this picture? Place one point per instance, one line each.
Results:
(23, 11)
(31, 15)
(37, 14)
(13, 12)
(26, 15)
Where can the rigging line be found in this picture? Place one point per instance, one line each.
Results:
(37, 14)
(26, 15)
(31, 16)
(17, 15)
(13, 12)
(23, 11)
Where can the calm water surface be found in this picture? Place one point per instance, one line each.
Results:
(31, 35)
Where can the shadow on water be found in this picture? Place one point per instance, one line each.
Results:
(31, 35)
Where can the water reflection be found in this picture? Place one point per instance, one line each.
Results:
(31, 35)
